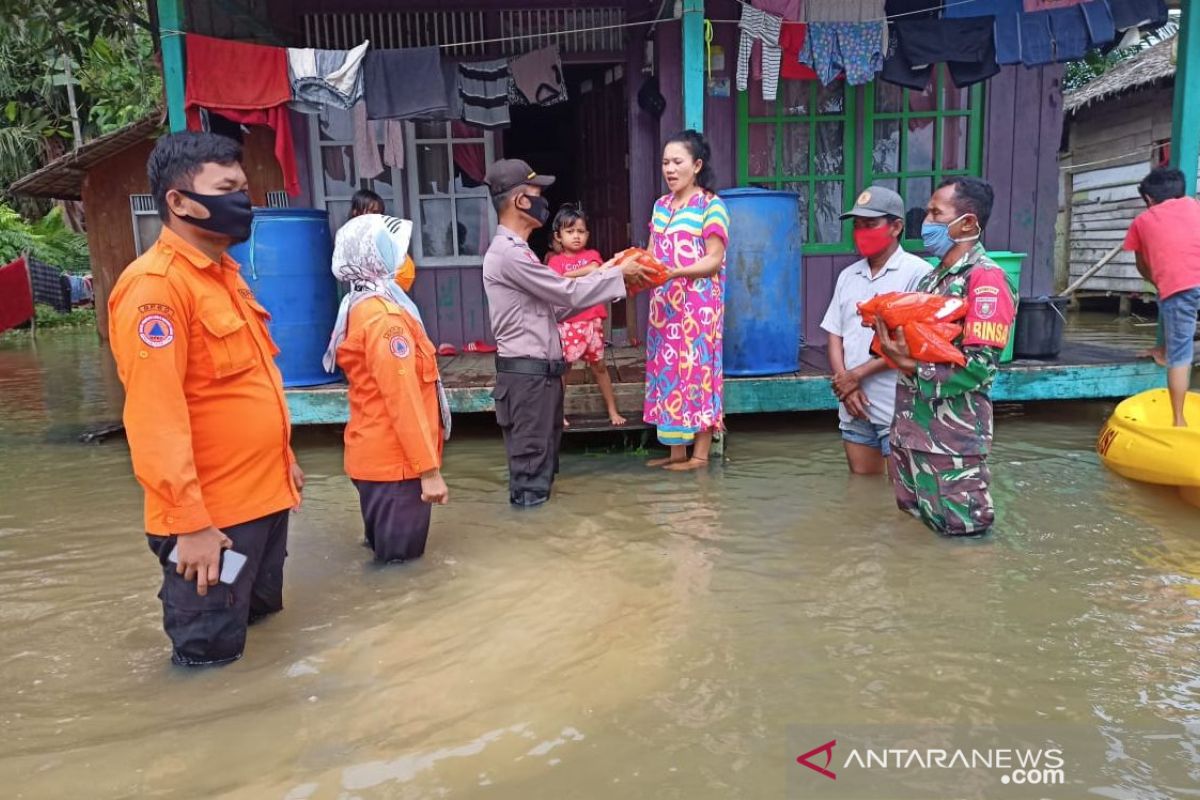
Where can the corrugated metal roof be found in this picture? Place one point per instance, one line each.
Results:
(1150, 65)
(62, 178)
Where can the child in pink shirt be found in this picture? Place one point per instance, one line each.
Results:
(583, 334)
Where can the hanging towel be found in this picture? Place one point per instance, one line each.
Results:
(759, 26)
(16, 296)
(483, 89)
(537, 79)
(327, 77)
(844, 10)
(246, 83)
(366, 147)
(404, 84)
(393, 143)
(50, 286)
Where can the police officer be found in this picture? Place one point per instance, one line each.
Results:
(526, 300)
(942, 431)
(205, 414)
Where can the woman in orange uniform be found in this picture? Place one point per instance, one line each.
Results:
(398, 412)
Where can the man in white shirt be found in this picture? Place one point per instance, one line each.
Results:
(865, 387)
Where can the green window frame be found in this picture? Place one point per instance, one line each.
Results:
(901, 111)
(809, 116)
(954, 140)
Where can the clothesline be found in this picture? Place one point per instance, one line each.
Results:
(1147, 151)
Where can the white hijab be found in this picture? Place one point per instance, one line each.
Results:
(366, 254)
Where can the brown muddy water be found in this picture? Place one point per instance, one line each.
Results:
(644, 636)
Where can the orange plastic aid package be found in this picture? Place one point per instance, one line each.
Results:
(658, 270)
(928, 321)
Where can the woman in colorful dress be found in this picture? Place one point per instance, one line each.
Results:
(689, 232)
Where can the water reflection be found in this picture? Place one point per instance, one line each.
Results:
(649, 636)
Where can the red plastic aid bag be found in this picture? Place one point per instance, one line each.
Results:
(658, 270)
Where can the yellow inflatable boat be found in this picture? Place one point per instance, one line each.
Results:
(1140, 443)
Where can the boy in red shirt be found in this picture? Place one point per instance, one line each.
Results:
(1166, 240)
(583, 334)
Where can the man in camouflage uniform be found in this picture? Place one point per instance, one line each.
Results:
(942, 430)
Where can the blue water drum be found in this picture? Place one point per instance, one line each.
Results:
(762, 288)
(286, 262)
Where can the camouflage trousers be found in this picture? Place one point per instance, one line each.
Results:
(948, 493)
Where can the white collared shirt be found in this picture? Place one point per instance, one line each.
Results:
(856, 284)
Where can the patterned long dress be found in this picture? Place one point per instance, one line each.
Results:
(685, 374)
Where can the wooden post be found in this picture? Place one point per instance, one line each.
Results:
(1185, 119)
(693, 64)
(170, 35)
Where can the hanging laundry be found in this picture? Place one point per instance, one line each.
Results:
(327, 77)
(913, 9)
(245, 83)
(759, 26)
(366, 147)
(966, 46)
(791, 42)
(1006, 28)
(81, 289)
(537, 79)
(393, 143)
(844, 11)
(1098, 17)
(404, 84)
(483, 89)
(855, 48)
(788, 10)
(50, 286)
(1049, 5)
(16, 295)
(1144, 14)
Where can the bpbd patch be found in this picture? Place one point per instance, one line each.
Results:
(399, 346)
(156, 331)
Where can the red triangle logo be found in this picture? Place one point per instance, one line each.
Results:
(827, 749)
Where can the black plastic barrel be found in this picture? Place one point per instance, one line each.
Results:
(1039, 331)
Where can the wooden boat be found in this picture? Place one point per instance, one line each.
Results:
(1139, 442)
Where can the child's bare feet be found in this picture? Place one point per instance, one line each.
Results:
(687, 466)
(616, 419)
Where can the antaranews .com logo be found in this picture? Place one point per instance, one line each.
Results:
(1020, 766)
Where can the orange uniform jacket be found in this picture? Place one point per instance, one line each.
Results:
(205, 414)
(395, 429)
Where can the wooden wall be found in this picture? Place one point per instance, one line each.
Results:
(106, 190)
(1109, 150)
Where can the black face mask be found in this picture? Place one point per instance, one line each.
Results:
(228, 214)
(539, 208)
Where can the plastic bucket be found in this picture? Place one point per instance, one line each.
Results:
(1039, 332)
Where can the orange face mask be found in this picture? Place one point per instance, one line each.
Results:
(406, 274)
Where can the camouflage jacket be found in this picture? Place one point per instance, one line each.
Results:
(943, 408)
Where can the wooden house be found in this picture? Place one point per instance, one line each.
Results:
(827, 143)
(1117, 128)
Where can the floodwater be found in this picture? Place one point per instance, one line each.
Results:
(644, 636)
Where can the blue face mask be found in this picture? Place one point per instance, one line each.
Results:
(937, 239)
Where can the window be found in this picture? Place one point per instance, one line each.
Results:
(452, 210)
(803, 141)
(336, 178)
(807, 141)
(920, 138)
(146, 222)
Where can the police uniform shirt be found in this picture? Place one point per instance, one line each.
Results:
(527, 299)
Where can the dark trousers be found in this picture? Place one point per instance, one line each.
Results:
(529, 410)
(395, 520)
(212, 629)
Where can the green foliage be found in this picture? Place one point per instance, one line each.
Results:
(49, 319)
(1094, 64)
(48, 240)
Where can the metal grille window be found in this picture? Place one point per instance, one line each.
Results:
(452, 211)
(534, 28)
(803, 141)
(920, 138)
(278, 200)
(397, 29)
(146, 222)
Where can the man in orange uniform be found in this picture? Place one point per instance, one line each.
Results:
(398, 412)
(205, 415)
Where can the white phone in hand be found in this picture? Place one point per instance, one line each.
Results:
(231, 564)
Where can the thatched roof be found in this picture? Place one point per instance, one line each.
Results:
(62, 178)
(1149, 66)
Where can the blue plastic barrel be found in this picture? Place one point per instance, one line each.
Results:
(286, 262)
(762, 289)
